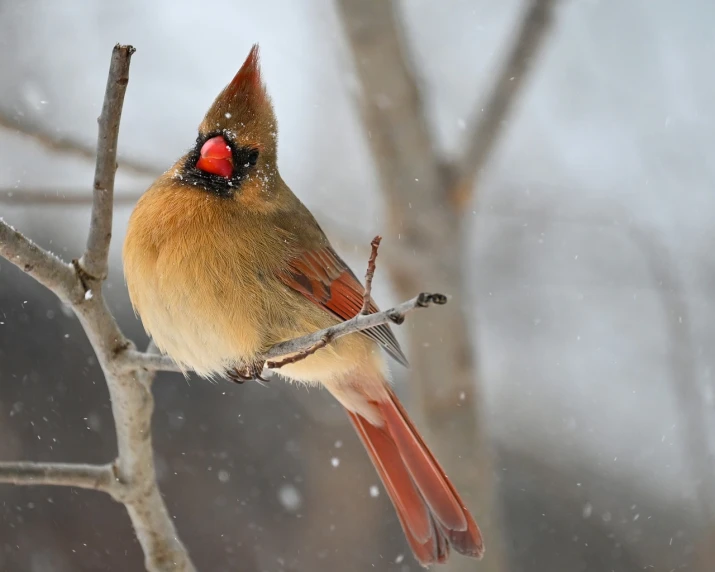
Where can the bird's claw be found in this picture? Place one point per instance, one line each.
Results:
(251, 372)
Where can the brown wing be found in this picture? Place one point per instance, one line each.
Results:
(324, 279)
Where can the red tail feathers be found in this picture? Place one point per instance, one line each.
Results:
(429, 508)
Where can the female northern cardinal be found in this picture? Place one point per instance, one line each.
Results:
(222, 261)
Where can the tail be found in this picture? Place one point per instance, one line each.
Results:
(429, 508)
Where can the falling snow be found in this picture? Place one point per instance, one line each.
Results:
(290, 497)
(587, 510)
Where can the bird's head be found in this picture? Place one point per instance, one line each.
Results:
(235, 151)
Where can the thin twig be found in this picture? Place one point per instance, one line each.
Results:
(95, 477)
(298, 356)
(482, 138)
(54, 142)
(396, 315)
(94, 260)
(22, 196)
(374, 245)
(360, 322)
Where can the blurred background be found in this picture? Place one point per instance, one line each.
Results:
(548, 164)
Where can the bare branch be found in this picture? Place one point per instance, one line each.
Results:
(57, 143)
(43, 266)
(298, 356)
(148, 361)
(360, 322)
(95, 477)
(393, 112)
(482, 138)
(429, 225)
(129, 388)
(22, 196)
(94, 260)
(307, 344)
(374, 245)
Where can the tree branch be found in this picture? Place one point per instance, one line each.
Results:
(129, 388)
(95, 477)
(369, 275)
(487, 126)
(360, 322)
(305, 344)
(23, 196)
(43, 266)
(347, 239)
(94, 260)
(298, 356)
(429, 222)
(393, 112)
(54, 142)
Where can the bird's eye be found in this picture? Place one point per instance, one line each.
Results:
(253, 157)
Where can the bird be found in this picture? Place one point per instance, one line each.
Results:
(222, 261)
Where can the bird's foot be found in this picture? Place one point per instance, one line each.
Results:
(250, 372)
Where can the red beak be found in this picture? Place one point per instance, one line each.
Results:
(216, 157)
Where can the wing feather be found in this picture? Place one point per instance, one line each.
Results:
(324, 279)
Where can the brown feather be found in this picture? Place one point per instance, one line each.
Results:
(322, 277)
(248, 79)
(426, 541)
(394, 475)
(466, 541)
(430, 511)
